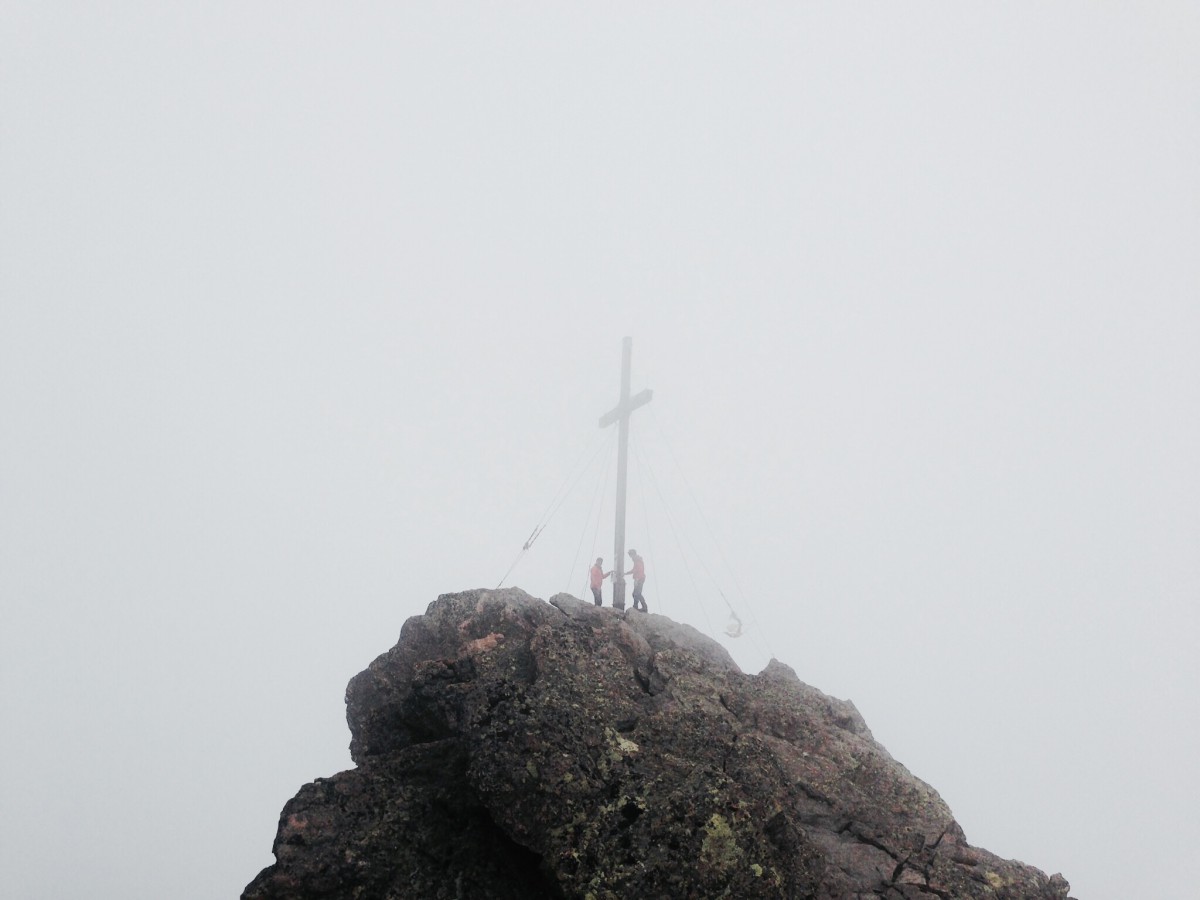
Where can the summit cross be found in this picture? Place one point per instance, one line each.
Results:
(620, 413)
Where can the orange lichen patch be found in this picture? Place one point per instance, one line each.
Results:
(483, 644)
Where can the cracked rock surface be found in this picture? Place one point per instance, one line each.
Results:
(507, 747)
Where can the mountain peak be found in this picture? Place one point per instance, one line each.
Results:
(509, 747)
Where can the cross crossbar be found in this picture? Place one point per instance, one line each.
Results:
(617, 411)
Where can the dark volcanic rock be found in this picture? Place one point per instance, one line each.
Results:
(512, 748)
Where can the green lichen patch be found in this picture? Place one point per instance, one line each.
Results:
(719, 847)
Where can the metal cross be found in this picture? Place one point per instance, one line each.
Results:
(620, 413)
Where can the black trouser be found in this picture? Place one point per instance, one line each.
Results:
(639, 602)
(596, 594)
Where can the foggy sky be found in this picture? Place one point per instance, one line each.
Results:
(307, 310)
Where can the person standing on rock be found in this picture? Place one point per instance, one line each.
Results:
(597, 579)
(639, 578)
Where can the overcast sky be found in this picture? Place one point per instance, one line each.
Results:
(308, 310)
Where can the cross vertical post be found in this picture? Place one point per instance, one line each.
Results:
(620, 413)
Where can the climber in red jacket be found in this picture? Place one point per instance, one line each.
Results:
(597, 579)
(639, 578)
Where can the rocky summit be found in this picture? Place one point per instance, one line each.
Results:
(509, 748)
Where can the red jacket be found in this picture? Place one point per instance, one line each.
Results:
(639, 569)
(598, 576)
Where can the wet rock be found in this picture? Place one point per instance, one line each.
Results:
(511, 748)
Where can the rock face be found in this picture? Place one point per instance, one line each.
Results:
(511, 748)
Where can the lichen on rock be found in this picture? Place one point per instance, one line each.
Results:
(508, 747)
